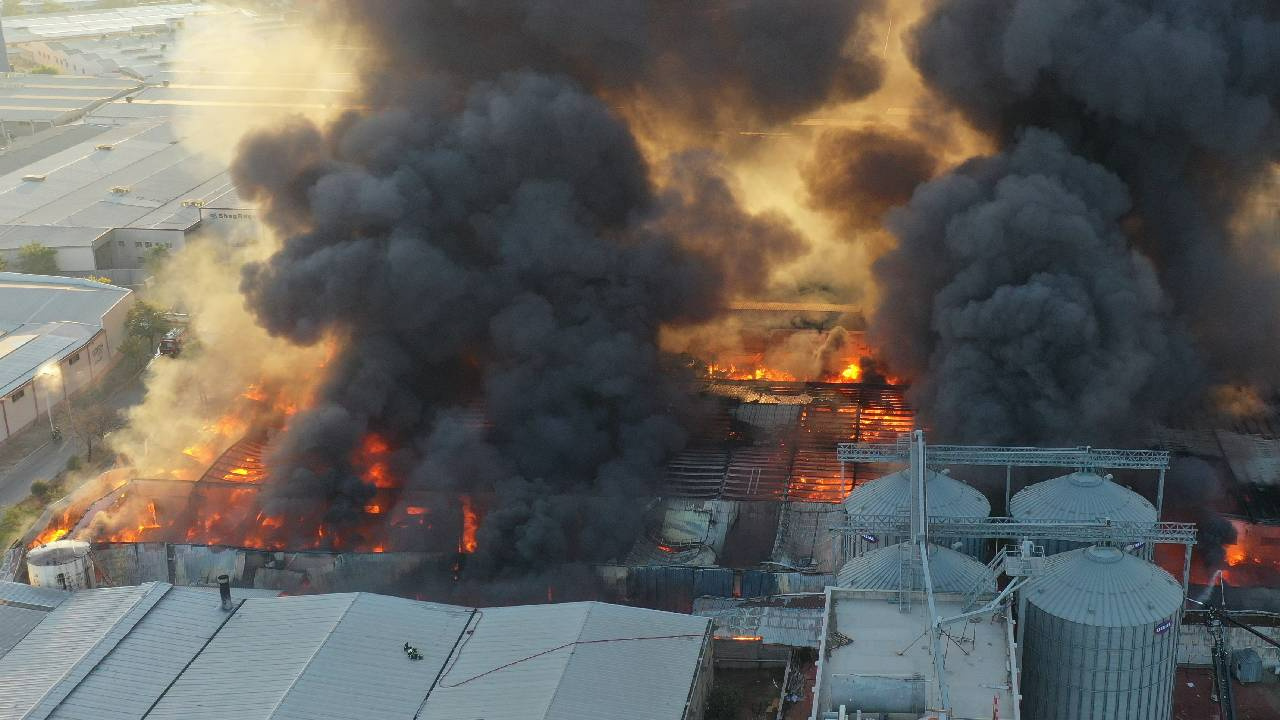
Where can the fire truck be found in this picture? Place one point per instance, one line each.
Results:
(172, 342)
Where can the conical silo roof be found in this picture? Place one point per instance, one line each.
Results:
(952, 572)
(1105, 587)
(1080, 497)
(891, 494)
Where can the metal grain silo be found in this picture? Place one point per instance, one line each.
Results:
(951, 571)
(1080, 497)
(1099, 638)
(891, 495)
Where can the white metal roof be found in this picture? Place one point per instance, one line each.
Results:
(62, 649)
(22, 607)
(136, 672)
(50, 26)
(135, 175)
(55, 98)
(43, 319)
(315, 657)
(571, 661)
(165, 652)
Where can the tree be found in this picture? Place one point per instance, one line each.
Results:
(41, 490)
(155, 259)
(91, 422)
(146, 322)
(37, 259)
(4, 264)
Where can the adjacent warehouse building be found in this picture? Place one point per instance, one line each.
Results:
(104, 199)
(57, 335)
(161, 651)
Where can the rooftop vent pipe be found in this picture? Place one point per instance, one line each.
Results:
(224, 589)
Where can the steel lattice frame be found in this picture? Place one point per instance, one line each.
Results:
(1080, 457)
(1003, 527)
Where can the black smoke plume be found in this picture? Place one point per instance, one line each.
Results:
(487, 235)
(856, 176)
(746, 62)
(1014, 300)
(1178, 102)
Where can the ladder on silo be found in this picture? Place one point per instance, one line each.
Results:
(908, 561)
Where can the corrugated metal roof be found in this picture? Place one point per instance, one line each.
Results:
(1080, 497)
(22, 607)
(891, 494)
(773, 623)
(165, 652)
(142, 665)
(39, 671)
(33, 299)
(951, 571)
(1104, 586)
(47, 318)
(548, 661)
(24, 594)
(134, 184)
(315, 657)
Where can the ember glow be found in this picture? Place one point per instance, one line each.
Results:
(220, 494)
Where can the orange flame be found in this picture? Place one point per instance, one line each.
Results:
(470, 523)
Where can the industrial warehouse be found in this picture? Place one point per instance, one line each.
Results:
(728, 360)
(156, 650)
(911, 606)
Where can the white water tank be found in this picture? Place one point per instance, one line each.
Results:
(62, 565)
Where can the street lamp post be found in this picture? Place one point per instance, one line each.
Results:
(48, 395)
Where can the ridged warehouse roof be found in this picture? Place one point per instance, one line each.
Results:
(952, 572)
(945, 496)
(1080, 497)
(571, 661)
(1106, 587)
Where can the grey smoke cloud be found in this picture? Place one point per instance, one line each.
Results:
(1015, 301)
(1178, 102)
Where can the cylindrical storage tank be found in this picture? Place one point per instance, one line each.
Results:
(891, 495)
(1100, 638)
(1080, 497)
(62, 564)
(952, 572)
(879, 693)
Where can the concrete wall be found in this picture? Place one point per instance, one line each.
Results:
(79, 259)
(1195, 645)
(113, 325)
(129, 246)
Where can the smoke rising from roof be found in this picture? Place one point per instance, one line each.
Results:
(1175, 105)
(487, 234)
(1015, 301)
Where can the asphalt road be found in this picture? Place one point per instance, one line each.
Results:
(49, 458)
